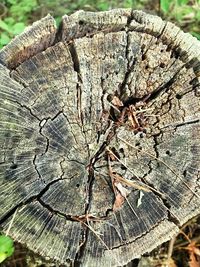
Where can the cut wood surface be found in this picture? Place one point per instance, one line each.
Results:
(99, 136)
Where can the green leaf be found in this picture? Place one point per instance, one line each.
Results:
(197, 16)
(6, 247)
(197, 35)
(128, 4)
(4, 39)
(103, 6)
(184, 12)
(165, 5)
(20, 10)
(9, 20)
(18, 27)
(58, 20)
(182, 2)
(12, 2)
(4, 26)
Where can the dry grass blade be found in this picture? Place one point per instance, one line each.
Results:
(161, 161)
(98, 236)
(127, 182)
(11, 222)
(143, 187)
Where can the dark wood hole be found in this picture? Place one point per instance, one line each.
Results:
(13, 166)
(162, 65)
(178, 96)
(174, 54)
(191, 82)
(110, 97)
(185, 172)
(168, 152)
(141, 135)
(121, 150)
(115, 152)
(81, 22)
(123, 167)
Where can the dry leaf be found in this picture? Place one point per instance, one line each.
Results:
(194, 255)
(123, 191)
(119, 200)
(121, 194)
(193, 261)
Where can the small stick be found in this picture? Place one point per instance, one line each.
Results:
(170, 247)
(143, 110)
(113, 106)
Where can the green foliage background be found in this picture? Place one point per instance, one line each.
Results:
(15, 15)
(6, 247)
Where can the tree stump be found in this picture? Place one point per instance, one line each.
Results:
(99, 136)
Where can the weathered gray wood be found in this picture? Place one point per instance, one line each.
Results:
(99, 136)
(33, 40)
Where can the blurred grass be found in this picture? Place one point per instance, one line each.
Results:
(15, 15)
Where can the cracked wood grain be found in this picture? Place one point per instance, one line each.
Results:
(104, 108)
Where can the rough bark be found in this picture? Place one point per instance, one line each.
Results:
(99, 136)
